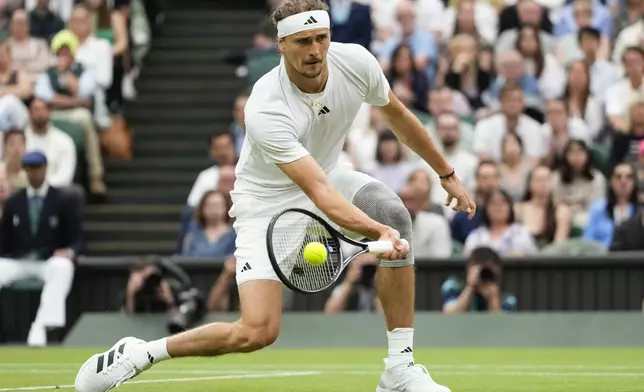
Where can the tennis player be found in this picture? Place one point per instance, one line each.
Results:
(297, 119)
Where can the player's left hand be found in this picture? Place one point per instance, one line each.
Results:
(455, 190)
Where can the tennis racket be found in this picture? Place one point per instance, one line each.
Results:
(291, 230)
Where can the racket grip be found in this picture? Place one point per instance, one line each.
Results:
(379, 247)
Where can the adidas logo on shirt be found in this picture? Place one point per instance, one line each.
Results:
(324, 110)
(310, 21)
(246, 267)
(408, 350)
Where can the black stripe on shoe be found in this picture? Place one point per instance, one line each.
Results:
(99, 364)
(121, 348)
(110, 358)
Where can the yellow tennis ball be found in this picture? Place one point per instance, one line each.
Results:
(315, 253)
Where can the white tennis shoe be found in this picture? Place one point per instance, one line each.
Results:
(408, 377)
(106, 371)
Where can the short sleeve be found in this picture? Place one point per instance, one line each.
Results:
(276, 138)
(371, 74)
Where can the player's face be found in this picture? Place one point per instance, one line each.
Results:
(306, 51)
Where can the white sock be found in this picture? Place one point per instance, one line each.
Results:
(157, 350)
(401, 346)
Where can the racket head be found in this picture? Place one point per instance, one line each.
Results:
(287, 235)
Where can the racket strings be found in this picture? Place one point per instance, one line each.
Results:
(291, 233)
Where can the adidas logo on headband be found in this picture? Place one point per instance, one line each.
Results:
(303, 21)
(310, 21)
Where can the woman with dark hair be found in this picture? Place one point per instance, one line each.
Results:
(581, 103)
(620, 204)
(514, 168)
(546, 222)
(212, 234)
(465, 73)
(577, 183)
(390, 169)
(543, 66)
(499, 230)
(403, 71)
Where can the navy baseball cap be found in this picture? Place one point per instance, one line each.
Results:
(34, 158)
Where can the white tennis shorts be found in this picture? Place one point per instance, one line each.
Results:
(252, 254)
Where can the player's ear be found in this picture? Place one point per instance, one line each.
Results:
(281, 44)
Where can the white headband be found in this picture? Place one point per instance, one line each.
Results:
(309, 20)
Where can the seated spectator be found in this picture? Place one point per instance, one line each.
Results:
(61, 8)
(540, 64)
(628, 37)
(639, 173)
(628, 235)
(5, 191)
(466, 74)
(580, 101)
(585, 15)
(57, 146)
(526, 13)
(422, 44)
(487, 182)
(499, 230)
(545, 221)
(350, 22)
(223, 296)
(419, 181)
(621, 95)
(13, 150)
(68, 87)
(30, 55)
(577, 183)
(430, 18)
(364, 140)
(514, 167)
(95, 55)
(626, 145)
(15, 88)
(598, 15)
(7, 8)
(43, 22)
(625, 14)
(619, 205)
(238, 127)
(512, 70)
(357, 291)
(559, 129)
(475, 18)
(40, 236)
(481, 290)
(212, 234)
(403, 71)
(390, 169)
(489, 132)
(430, 231)
(603, 73)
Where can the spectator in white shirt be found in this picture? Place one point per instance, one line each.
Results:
(603, 73)
(568, 45)
(632, 35)
(57, 146)
(489, 132)
(543, 66)
(365, 139)
(621, 95)
(580, 101)
(530, 14)
(429, 12)
(561, 128)
(476, 18)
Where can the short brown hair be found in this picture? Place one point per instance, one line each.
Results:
(199, 217)
(509, 88)
(291, 7)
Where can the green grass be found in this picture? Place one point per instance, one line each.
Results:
(463, 370)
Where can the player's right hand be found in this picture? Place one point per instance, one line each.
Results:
(400, 248)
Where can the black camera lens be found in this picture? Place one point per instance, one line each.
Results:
(487, 275)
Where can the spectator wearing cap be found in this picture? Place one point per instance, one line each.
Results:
(43, 22)
(40, 235)
(68, 87)
(15, 87)
(29, 54)
(58, 146)
(13, 150)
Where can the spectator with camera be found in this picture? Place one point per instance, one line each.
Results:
(357, 291)
(13, 150)
(40, 236)
(481, 290)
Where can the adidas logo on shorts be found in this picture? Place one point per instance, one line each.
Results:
(246, 267)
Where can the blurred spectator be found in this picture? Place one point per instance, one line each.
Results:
(429, 14)
(68, 87)
(224, 296)
(430, 231)
(357, 292)
(95, 55)
(227, 179)
(487, 182)
(489, 132)
(5, 191)
(481, 291)
(15, 88)
(639, 173)
(540, 64)
(57, 146)
(7, 8)
(40, 235)
(61, 8)
(466, 74)
(391, 168)
(623, 93)
(420, 182)
(403, 71)
(628, 13)
(350, 22)
(619, 205)
(13, 150)
(422, 44)
(577, 183)
(602, 72)
(626, 145)
(559, 128)
(237, 127)
(581, 102)
(545, 221)
(628, 236)
(147, 291)
(364, 140)
(512, 70)
(584, 13)
(523, 13)
(212, 234)
(43, 22)
(514, 166)
(530, 15)
(632, 35)
(499, 230)
(30, 55)
(476, 18)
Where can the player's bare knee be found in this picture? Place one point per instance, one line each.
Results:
(256, 337)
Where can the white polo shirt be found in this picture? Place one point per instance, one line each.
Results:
(489, 134)
(283, 125)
